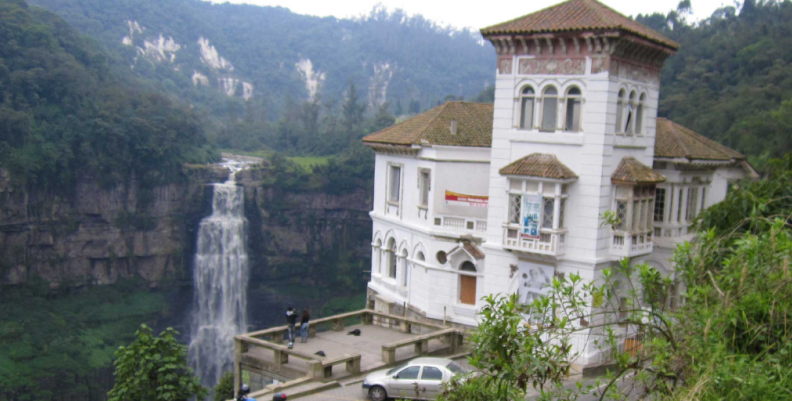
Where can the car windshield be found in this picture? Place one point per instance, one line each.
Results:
(396, 369)
(456, 369)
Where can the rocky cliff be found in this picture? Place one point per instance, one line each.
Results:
(95, 234)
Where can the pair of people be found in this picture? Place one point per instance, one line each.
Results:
(291, 321)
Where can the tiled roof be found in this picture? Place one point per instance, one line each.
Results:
(631, 171)
(676, 141)
(474, 127)
(577, 15)
(539, 165)
(474, 251)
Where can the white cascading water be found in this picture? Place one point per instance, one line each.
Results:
(220, 282)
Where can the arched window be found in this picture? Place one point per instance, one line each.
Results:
(620, 112)
(391, 258)
(629, 123)
(549, 109)
(377, 257)
(467, 284)
(639, 115)
(527, 98)
(420, 256)
(405, 269)
(573, 110)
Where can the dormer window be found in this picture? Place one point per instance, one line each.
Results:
(527, 98)
(573, 103)
(549, 109)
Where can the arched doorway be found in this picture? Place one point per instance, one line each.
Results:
(467, 284)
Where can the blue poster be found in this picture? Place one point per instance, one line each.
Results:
(531, 216)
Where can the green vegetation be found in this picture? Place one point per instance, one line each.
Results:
(64, 111)
(729, 340)
(264, 44)
(55, 344)
(154, 368)
(730, 80)
(224, 390)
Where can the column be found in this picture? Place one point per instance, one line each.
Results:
(557, 207)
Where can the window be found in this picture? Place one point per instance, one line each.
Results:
(527, 98)
(548, 205)
(410, 373)
(629, 124)
(692, 204)
(391, 258)
(639, 115)
(634, 208)
(395, 183)
(515, 202)
(378, 256)
(549, 109)
(573, 110)
(547, 212)
(659, 209)
(420, 256)
(431, 373)
(620, 112)
(703, 198)
(423, 186)
(405, 269)
(679, 202)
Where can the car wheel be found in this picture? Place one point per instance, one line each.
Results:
(378, 393)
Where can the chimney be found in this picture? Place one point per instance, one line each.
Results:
(453, 127)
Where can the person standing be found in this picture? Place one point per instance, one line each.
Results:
(306, 316)
(291, 320)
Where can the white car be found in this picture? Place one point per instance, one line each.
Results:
(418, 379)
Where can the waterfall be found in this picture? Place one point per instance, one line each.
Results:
(220, 283)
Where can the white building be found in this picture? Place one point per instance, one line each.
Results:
(472, 199)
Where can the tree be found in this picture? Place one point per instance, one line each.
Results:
(224, 390)
(383, 118)
(154, 368)
(351, 110)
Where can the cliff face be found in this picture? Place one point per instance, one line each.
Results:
(308, 237)
(96, 235)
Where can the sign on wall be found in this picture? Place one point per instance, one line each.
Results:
(531, 216)
(455, 198)
(535, 280)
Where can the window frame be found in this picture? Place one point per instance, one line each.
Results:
(552, 98)
(398, 184)
(639, 114)
(639, 201)
(424, 187)
(575, 98)
(629, 123)
(521, 123)
(560, 195)
(660, 203)
(620, 100)
(393, 263)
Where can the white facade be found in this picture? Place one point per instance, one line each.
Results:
(591, 106)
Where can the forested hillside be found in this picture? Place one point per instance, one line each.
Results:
(732, 77)
(64, 112)
(219, 55)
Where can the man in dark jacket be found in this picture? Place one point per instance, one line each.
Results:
(291, 320)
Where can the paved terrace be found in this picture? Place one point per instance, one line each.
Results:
(385, 340)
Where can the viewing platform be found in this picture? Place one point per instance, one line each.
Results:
(384, 340)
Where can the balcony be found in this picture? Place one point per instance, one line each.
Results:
(628, 245)
(550, 242)
(460, 223)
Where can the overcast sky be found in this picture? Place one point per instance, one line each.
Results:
(474, 14)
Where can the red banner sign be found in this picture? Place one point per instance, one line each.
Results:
(466, 200)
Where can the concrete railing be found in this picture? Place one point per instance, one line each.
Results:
(321, 367)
